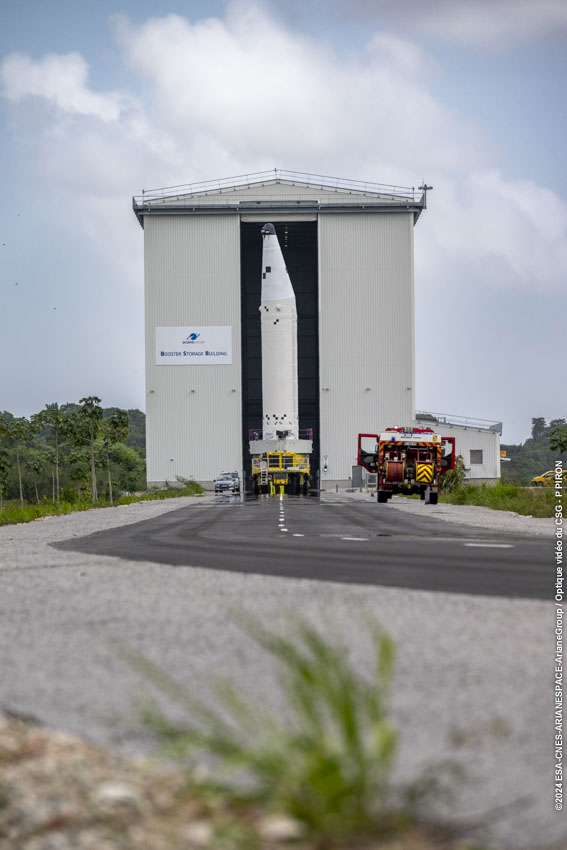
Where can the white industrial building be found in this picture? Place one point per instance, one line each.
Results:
(348, 248)
(477, 441)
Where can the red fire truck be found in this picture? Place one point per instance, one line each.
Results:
(407, 460)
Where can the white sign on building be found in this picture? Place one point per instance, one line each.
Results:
(193, 345)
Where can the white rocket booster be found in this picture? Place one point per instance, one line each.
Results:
(279, 342)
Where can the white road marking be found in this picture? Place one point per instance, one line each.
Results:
(491, 545)
(298, 535)
(283, 529)
(355, 538)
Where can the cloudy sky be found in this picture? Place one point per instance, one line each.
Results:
(101, 100)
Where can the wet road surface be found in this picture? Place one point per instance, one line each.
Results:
(333, 540)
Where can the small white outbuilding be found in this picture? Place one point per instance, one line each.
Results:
(477, 441)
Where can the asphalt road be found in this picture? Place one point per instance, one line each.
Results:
(351, 542)
(473, 682)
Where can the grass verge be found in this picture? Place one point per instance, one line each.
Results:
(13, 513)
(504, 497)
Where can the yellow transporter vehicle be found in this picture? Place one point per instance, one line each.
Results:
(281, 472)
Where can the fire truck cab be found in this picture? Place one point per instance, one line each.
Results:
(407, 460)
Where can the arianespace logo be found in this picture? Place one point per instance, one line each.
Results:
(193, 339)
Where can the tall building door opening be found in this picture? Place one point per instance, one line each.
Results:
(298, 241)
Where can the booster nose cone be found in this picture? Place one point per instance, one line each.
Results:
(276, 284)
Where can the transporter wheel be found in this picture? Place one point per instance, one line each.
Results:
(433, 498)
(382, 497)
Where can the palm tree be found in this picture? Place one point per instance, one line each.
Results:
(21, 430)
(78, 467)
(35, 466)
(55, 419)
(114, 430)
(85, 426)
(4, 468)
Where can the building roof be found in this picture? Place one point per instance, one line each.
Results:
(279, 191)
(466, 422)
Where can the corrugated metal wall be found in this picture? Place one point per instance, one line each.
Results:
(366, 331)
(467, 439)
(192, 277)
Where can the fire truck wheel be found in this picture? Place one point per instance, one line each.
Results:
(433, 498)
(382, 496)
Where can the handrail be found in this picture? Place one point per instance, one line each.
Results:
(277, 174)
(460, 421)
(258, 434)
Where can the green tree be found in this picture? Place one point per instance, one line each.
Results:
(21, 431)
(34, 465)
(48, 459)
(137, 430)
(132, 466)
(114, 430)
(54, 418)
(85, 426)
(558, 439)
(79, 463)
(537, 454)
(4, 470)
(538, 427)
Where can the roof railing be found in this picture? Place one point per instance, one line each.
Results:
(460, 421)
(259, 434)
(304, 178)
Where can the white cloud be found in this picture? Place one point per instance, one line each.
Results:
(242, 94)
(246, 93)
(498, 24)
(61, 79)
(511, 233)
(260, 93)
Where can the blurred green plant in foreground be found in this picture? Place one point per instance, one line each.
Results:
(329, 767)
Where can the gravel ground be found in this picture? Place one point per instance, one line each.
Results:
(61, 793)
(473, 678)
(474, 515)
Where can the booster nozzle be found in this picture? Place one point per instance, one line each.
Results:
(268, 230)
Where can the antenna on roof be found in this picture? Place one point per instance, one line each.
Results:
(424, 188)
